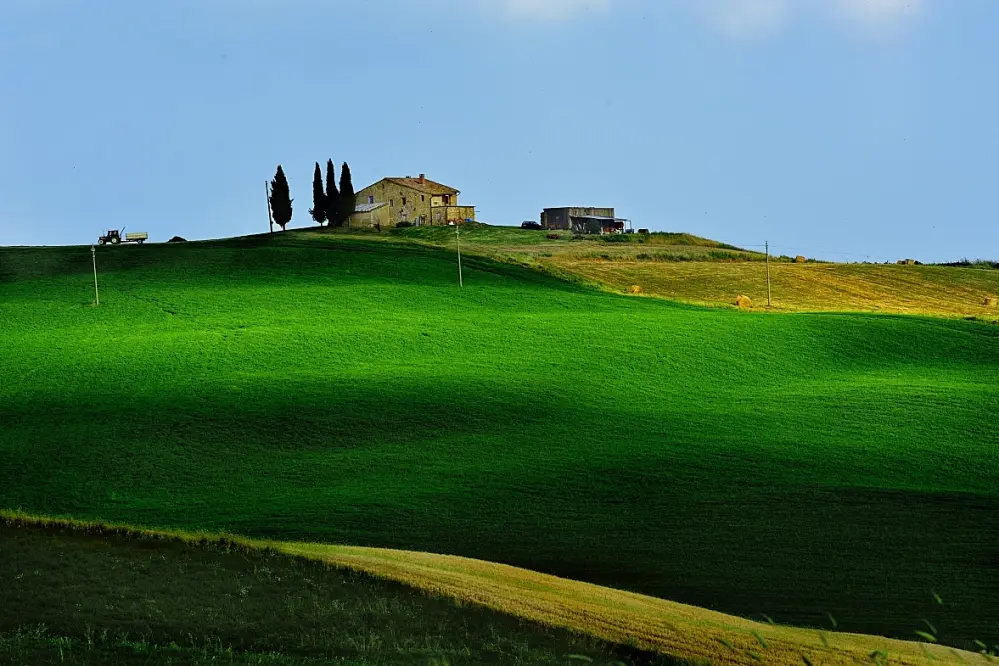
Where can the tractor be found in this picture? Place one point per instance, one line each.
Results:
(114, 237)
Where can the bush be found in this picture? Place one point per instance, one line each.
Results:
(973, 263)
(403, 225)
(720, 255)
(177, 239)
(666, 256)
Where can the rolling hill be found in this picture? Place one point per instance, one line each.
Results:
(91, 594)
(696, 270)
(343, 390)
(104, 593)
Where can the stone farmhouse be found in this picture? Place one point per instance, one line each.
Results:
(418, 201)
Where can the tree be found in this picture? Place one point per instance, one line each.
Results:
(318, 210)
(281, 199)
(332, 196)
(347, 196)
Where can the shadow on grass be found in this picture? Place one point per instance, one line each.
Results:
(98, 595)
(473, 469)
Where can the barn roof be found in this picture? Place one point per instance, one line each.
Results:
(600, 217)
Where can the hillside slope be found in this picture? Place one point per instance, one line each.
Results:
(812, 287)
(148, 588)
(348, 391)
(698, 270)
(93, 595)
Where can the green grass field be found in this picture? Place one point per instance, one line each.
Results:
(347, 391)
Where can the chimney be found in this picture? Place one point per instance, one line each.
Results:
(423, 178)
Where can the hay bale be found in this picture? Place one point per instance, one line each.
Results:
(635, 289)
(744, 302)
(800, 259)
(990, 301)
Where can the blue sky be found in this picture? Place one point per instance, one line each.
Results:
(845, 129)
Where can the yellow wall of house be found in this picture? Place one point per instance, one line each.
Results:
(406, 203)
(438, 200)
(446, 214)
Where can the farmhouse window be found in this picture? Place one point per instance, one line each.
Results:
(404, 201)
(371, 199)
(447, 199)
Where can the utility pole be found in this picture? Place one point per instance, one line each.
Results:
(93, 254)
(766, 244)
(270, 216)
(457, 241)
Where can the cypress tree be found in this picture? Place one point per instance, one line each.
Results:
(281, 199)
(332, 196)
(318, 210)
(347, 196)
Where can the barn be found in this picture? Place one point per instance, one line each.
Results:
(584, 220)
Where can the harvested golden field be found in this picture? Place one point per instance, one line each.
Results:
(689, 268)
(933, 290)
(666, 627)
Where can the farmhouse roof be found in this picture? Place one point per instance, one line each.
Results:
(424, 185)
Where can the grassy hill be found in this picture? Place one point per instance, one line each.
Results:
(346, 391)
(115, 593)
(513, 244)
(697, 270)
(92, 595)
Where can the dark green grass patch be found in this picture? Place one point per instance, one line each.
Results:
(348, 391)
(116, 600)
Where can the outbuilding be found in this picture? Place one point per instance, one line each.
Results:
(583, 220)
(370, 215)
